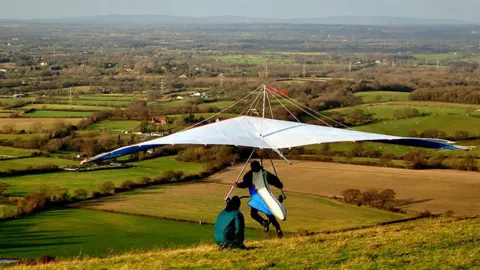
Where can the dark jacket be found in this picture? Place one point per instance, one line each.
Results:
(230, 229)
(271, 179)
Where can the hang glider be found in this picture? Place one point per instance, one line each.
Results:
(265, 133)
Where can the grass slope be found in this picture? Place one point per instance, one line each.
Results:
(66, 107)
(73, 232)
(425, 244)
(203, 201)
(26, 123)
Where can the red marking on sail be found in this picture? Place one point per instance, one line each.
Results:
(282, 92)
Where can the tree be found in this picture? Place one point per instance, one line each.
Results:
(351, 195)
(107, 188)
(370, 196)
(386, 196)
(3, 188)
(80, 194)
(468, 163)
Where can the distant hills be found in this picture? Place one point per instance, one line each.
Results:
(166, 19)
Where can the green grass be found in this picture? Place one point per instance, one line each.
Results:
(446, 123)
(73, 232)
(16, 152)
(24, 163)
(115, 125)
(423, 244)
(371, 97)
(60, 114)
(91, 180)
(66, 107)
(203, 201)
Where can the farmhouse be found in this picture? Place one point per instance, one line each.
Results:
(159, 120)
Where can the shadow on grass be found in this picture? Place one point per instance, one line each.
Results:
(24, 235)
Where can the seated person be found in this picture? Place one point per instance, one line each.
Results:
(230, 226)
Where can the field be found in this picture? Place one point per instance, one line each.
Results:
(116, 125)
(66, 107)
(386, 110)
(24, 163)
(91, 180)
(371, 97)
(15, 152)
(218, 104)
(423, 244)
(255, 60)
(100, 102)
(446, 123)
(11, 101)
(73, 232)
(57, 114)
(438, 56)
(26, 123)
(433, 190)
(203, 201)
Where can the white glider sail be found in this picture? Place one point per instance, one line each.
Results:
(264, 133)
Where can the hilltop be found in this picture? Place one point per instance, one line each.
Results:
(423, 244)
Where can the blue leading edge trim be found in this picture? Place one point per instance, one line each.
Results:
(426, 143)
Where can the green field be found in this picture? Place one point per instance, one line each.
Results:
(448, 124)
(24, 163)
(53, 107)
(28, 123)
(20, 137)
(60, 114)
(15, 152)
(91, 180)
(105, 97)
(438, 56)
(129, 125)
(96, 102)
(386, 110)
(174, 103)
(203, 201)
(11, 101)
(371, 97)
(218, 104)
(74, 232)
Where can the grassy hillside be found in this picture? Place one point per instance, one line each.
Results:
(203, 201)
(72, 232)
(425, 244)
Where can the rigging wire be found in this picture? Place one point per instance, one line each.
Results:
(305, 111)
(203, 121)
(312, 110)
(239, 175)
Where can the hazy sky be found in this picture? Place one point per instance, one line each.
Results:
(449, 9)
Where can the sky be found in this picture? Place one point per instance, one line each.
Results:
(435, 9)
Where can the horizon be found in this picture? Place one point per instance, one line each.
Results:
(463, 10)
